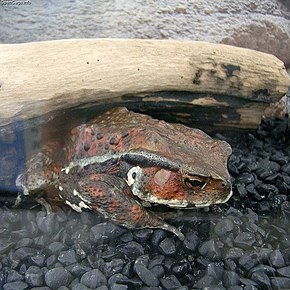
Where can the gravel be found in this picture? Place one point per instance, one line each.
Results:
(244, 244)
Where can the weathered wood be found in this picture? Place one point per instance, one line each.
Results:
(41, 77)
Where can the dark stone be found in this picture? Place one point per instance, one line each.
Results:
(245, 178)
(13, 275)
(19, 234)
(40, 288)
(266, 189)
(24, 242)
(119, 287)
(223, 227)
(82, 249)
(19, 285)
(267, 168)
(118, 279)
(286, 168)
(168, 263)
(181, 268)
(93, 279)
(114, 266)
(205, 281)
(34, 276)
(132, 249)
(241, 190)
(157, 260)
(157, 236)
(279, 157)
(251, 287)
(280, 283)
(216, 271)
(24, 253)
(47, 224)
(216, 287)
(105, 232)
(170, 282)
(38, 259)
(121, 279)
(191, 241)
(127, 237)
(50, 261)
(283, 187)
(147, 277)
(67, 257)
(78, 269)
(57, 277)
(234, 253)
(230, 265)
(158, 271)
(80, 286)
(268, 270)
(167, 246)
(56, 247)
(285, 271)
(230, 278)
(6, 246)
(128, 269)
(245, 240)
(210, 250)
(262, 279)
(248, 261)
(142, 235)
(276, 259)
(247, 282)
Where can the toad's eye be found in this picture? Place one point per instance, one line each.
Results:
(193, 183)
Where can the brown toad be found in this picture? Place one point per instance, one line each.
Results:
(122, 161)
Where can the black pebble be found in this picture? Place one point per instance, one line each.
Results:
(157, 236)
(80, 286)
(13, 275)
(285, 271)
(104, 232)
(146, 275)
(167, 246)
(50, 261)
(38, 259)
(170, 282)
(280, 283)
(262, 279)
(223, 227)
(19, 285)
(34, 276)
(230, 278)
(245, 240)
(67, 257)
(132, 249)
(191, 241)
(78, 269)
(56, 247)
(214, 270)
(57, 277)
(248, 261)
(93, 278)
(142, 235)
(276, 259)
(205, 281)
(210, 250)
(112, 267)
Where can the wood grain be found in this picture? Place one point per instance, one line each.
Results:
(42, 77)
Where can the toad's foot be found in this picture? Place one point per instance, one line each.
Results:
(112, 197)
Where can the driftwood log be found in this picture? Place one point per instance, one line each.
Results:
(231, 85)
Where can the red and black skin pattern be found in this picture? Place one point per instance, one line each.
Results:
(169, 151)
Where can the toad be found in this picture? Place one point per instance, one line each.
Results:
(121, 162)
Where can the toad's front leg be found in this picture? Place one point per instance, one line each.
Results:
(112, 197)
